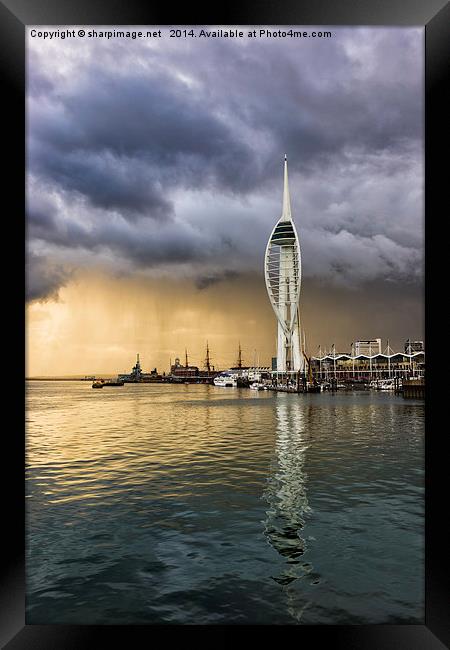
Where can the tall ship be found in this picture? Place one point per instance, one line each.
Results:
(190, 374)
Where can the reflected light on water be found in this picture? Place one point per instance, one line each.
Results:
(197, 504)
(286, 495)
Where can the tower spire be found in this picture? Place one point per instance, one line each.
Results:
(282, 271)
(286, 215)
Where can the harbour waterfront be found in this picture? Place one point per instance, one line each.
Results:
(195, 504)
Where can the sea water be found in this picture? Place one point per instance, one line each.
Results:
(194, 504)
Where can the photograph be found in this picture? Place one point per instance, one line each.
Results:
(225, 325)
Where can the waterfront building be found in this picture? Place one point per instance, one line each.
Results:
(413, 346)
(363, 367)
(177, 370)
(258, 373)
(251, 373)
(282, 271)
(370, 347)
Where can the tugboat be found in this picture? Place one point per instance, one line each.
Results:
(100, 383)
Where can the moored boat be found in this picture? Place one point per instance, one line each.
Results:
(383, 384)
(387, 384)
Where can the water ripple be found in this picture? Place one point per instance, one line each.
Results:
(195, 504)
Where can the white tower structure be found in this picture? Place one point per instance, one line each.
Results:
(282, 270)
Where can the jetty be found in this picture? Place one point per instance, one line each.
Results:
(413, 388)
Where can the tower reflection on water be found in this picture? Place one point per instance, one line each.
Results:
(286, 495)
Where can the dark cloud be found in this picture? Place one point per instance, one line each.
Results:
(170, 154)
(44, 278)
(126, 142)
(206, 281)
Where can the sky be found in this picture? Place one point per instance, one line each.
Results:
(155, 177)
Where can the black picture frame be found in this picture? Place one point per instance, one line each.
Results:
(434, 15)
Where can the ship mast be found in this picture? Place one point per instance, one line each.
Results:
(207, 360)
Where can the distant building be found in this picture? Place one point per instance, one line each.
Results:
(257, 373)
(413, 346)
(369, 347)
(177, 370)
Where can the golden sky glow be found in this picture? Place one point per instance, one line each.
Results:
(152, 192)
(100, 322)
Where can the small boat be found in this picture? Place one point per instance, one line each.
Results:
(98, 383)
(387, 384)
(383, 384)
(113, 383)
(257, 386)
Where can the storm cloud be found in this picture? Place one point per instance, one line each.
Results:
(166, 156)
(44, 278)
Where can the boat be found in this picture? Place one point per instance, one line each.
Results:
(383, 384)
(98, 383)
(257, 386)
(113, 383)
(226, 380)
(387, 384)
